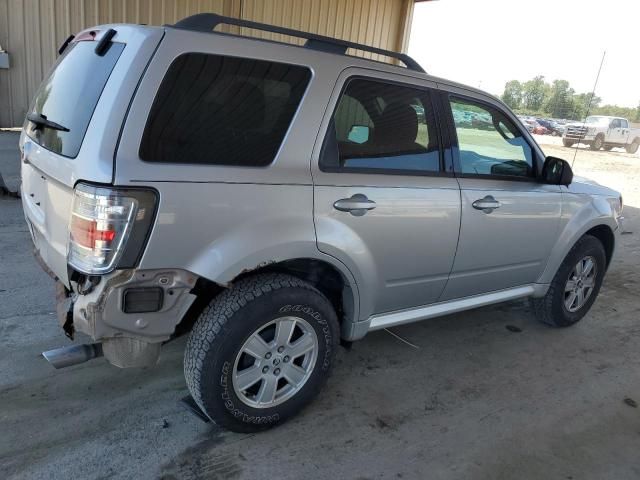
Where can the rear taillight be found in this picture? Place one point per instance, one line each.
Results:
(103, 221)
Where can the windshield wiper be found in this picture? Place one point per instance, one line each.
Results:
(40, 121)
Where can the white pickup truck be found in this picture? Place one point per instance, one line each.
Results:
(599, 131)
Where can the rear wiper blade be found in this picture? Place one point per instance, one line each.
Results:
(41, 121)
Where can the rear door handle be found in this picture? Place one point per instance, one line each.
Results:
(357, 205)
(487, 204)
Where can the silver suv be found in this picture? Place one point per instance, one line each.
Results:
(275, 199)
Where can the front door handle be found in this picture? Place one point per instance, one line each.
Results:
(357, 205)
(487, 204)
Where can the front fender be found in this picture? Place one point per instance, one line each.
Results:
(580, 213)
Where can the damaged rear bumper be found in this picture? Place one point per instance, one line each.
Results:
(131, 334)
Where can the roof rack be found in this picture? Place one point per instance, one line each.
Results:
(206, 22)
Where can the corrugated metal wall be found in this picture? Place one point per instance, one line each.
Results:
(32, 30)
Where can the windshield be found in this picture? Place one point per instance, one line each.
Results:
(69, 95)
(596, 119)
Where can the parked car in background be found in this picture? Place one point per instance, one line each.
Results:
(532, 125)
(527, 123)
(173, 183)
(551, 126)
(538, 129)
(600, 131)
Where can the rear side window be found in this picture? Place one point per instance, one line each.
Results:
(69, 95)
(218, 110)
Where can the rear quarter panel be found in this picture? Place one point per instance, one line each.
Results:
(221, 221)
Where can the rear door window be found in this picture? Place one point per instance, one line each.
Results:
(217, 110)
(69, 95)
(383, 128)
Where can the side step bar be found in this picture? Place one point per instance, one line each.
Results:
(72, 355)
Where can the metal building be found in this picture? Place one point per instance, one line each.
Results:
(32, 30)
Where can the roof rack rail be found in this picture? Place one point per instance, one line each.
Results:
(206, 22)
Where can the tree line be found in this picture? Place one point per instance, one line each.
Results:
(559, 100)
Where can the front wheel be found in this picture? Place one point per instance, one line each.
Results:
(575, 285)
(597, 143)
(567, 143)
(632, 147)
(260, 352)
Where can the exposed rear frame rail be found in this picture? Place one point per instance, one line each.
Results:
(206, 22)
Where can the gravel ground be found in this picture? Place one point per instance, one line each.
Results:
(475, 399)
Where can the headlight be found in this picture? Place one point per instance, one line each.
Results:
(616, 205)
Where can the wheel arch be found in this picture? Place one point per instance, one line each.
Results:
(606, 236)
(598, 228)
(585, 214)
(333, 282)
(324, 272)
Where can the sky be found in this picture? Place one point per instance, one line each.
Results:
(485, 43)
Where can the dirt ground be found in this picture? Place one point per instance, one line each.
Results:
(474, 400)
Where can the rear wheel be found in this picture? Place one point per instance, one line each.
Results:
(597, 143)
(260, 352)
(633, 147)
(575, 285)
(567, 143)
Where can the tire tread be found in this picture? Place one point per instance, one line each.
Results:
(216, 315)
(543, 307)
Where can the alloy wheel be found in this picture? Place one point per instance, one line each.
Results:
(580, 284)
(275, 362)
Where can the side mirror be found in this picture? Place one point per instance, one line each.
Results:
(557, 171)
(358, 134)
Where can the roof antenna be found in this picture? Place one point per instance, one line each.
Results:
(593, 92)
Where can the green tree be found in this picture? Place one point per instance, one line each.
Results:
(560, 103)
(512, 95)
(615, 111)
(584, 104)
(534, 94)
(637, 117)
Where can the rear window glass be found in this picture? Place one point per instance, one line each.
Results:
(218, 110)
(69, 95)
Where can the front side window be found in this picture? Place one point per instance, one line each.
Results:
(489, 143)
(624, 123)
(381, 128)
(217, 110)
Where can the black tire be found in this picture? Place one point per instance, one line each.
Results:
(608, 148)
(230, 320)
(567, 143)
(633, 147)
(551, 308)
(597, 143)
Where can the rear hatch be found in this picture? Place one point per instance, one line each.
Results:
(73, 126)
